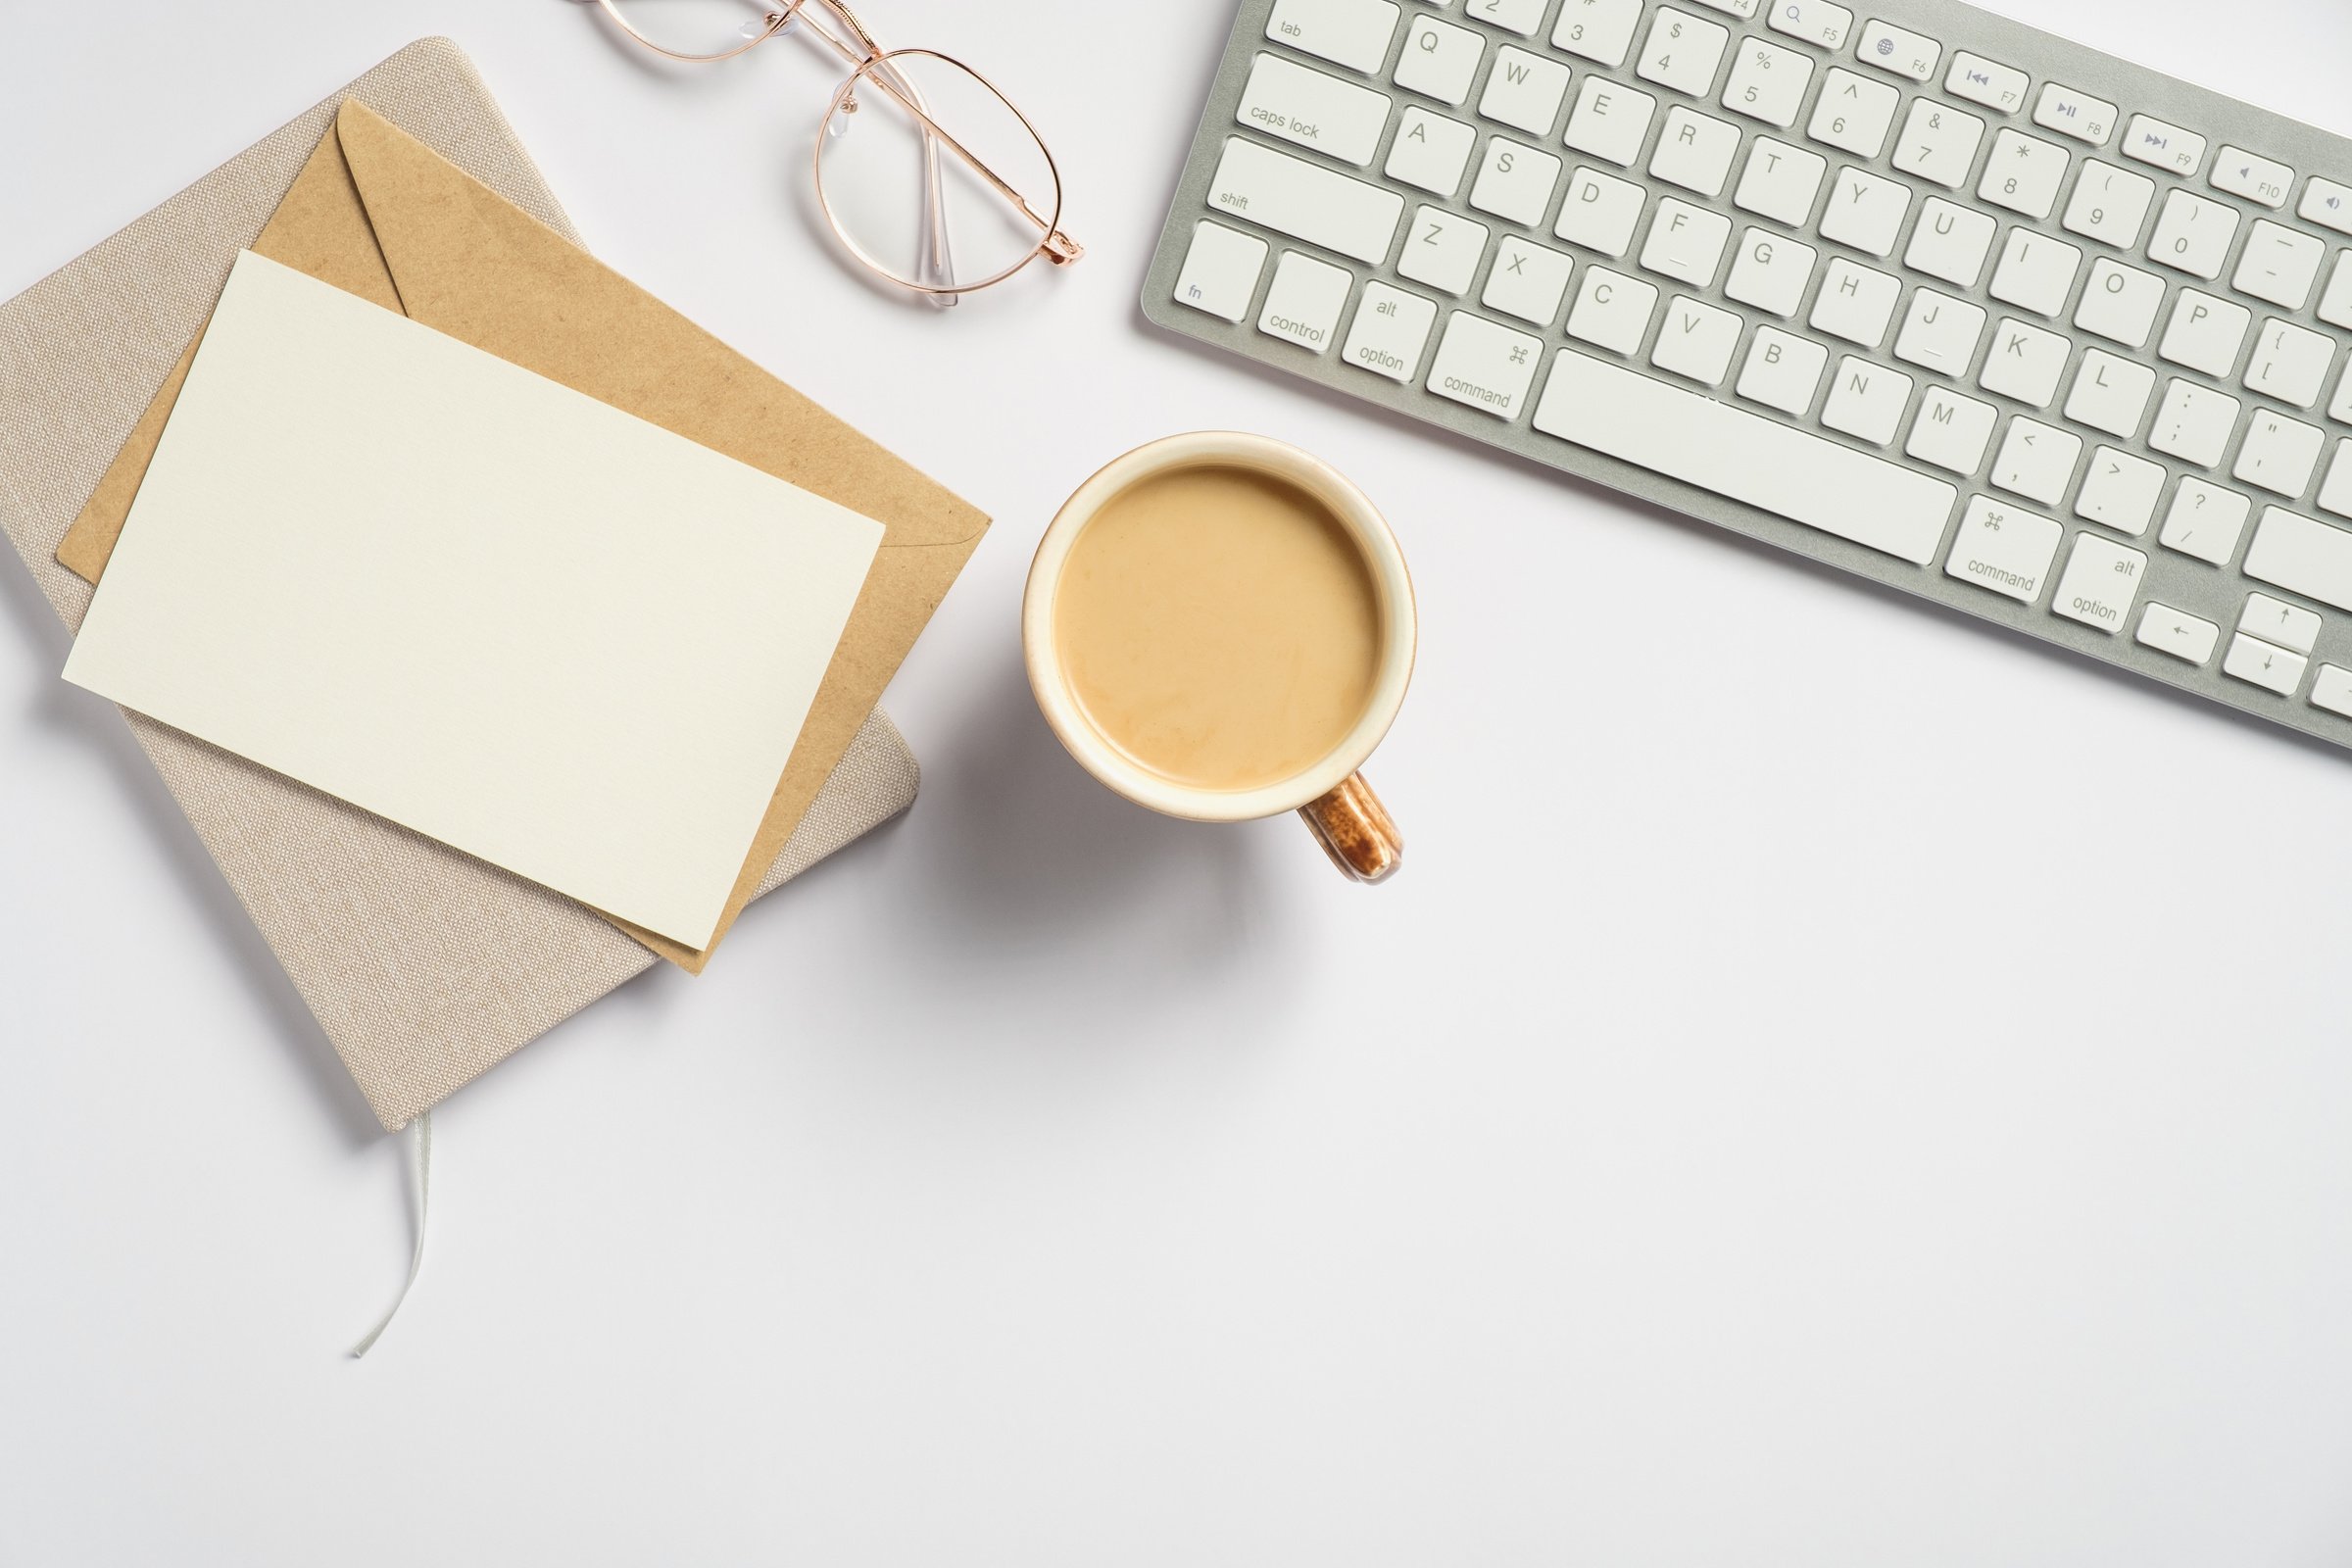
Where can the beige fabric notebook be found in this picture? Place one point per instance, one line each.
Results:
(422, 965)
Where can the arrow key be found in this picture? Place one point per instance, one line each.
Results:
(2178, 633)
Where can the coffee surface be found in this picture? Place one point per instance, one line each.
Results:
(1219, 626)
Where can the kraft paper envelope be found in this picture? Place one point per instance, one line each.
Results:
(380, 214)
(430, 583)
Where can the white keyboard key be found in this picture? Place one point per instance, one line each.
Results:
(1941, 332)
(2339, 407)
(1686, 242)
(1867, 400)
(2194, 423)
(1524, 91)
(2278, 454)
(1300, 105)
(1779, 181)
(2302, 556)
(1854, 303)
(1949, 242)
(1745, 10)
(2037, 461)
(1599, 212)
(1220, 272)
(1865, 211)
(2119, 302)
(2110, 204)
(1768, 83)
(1950, 431)
(2023, 173)
(1782, 371)
(1528, 281)
(1816, 22)
(1898, 50)
(1303, 304)
(1305, 201)
(2251, 176)
(1522, 17)
(1442, 249)
(2167, 147)
(2178, 633)
(2037, 272)
(2193, 234)
(2278, 264)
(2289, 363)
(1354, 33)
(1682, 52)
(1695, 340)
(1770, 272)
(1438, 60)
(2003, 549)
(1601, 30)
(1986, 82)
(1853, 113)
(2259, 663)
(1430, 152)
(2100, 583)
(2205, 333)
(1612, 310)
(1610, 120)
(1390, 331)
(1939, 143)
(1695, 152)
(2336, 306)
(1515, 182)
(2274, 620)
(2073, 114)
(1484, 366)
(2326, 203)
(2111, 394)
(2336, 494)
(2205, 520)
(2026, 362)
(2120, 490)
(2333, 689)
(1746, 457)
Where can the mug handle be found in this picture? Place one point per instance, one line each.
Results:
(1355, 830)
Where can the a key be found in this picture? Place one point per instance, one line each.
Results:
(2194, 423)
(1601, 30)
(2178, 633)
(1939, 332)
(2302, 556)
(2111, 394)
(2003, 549)
(1682, 52)
(2331, 689)
(1515, 182)
(2025, 363)
(1695, 151)
(2110, 204)
(1599, 212)
(2336, 306)
(2274, 620)
(2023, 173)
(1853, 113)
(2036, 461)
(1524, 91)
(1310, 108)
(1305, 201)
(2119, 302)
(1766, 82)
(2278, 264)
(2073, 114)
(1746, 457)
(1949, 242)
(2251, 176)
(1782, 371)
(1610, 120)
(1686, 242)
(1303, 303)
(1816, 22)
(2100, 583)
(1442, 249)
(1779, 181)
(2205, 520)
(2289, 363)
(2037, 272)
(1528, 281)
(1865, 211)
(1485, 366)
(1220, 272)
(1354, 33)
(1939, 143)
(1986, 82)
(1430, 152)
(1522, 17)
(1697, 340)
(1855, 303)
(1612, 310)
(2326, 203)
(1867, 400)
(2205, 333)
(1390, 330)
(1898, 50)
(1770, 272)
(2120, 490)
(1438, 60)
(1950, 431)
(2167, 147)
(2278, 454)
(2260, 664)
(2193, 234)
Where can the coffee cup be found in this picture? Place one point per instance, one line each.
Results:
(1220, 628)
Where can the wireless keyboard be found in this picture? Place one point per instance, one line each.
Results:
(1912, 289)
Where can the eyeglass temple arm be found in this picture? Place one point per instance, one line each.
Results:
(1059, 248)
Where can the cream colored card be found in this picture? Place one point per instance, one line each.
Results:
(461, 596)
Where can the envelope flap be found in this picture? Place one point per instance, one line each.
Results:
(469, 264)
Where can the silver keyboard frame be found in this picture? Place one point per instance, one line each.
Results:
(2215, 593)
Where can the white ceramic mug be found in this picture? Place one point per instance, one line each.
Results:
(1331, 794)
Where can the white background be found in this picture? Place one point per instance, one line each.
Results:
(1835, 1084)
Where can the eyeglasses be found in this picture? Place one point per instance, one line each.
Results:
(927, 173)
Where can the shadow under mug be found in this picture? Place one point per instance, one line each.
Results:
(1346, 818)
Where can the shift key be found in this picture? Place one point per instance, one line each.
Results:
(1305, 201)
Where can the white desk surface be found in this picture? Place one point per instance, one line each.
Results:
(1727, 1142)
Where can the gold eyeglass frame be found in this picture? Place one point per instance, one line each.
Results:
(872, 65)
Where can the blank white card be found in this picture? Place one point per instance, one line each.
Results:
(468, 599)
